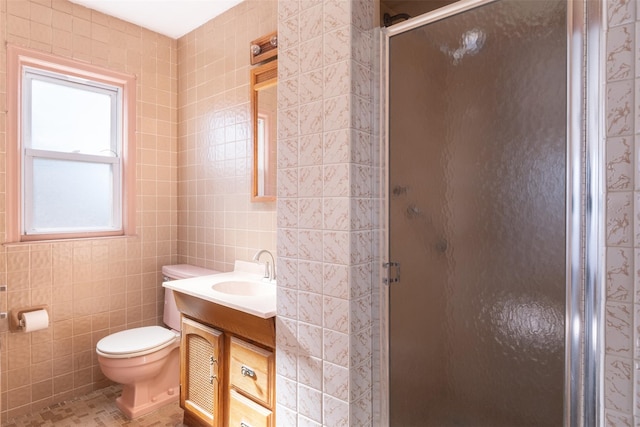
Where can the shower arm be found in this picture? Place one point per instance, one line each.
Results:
(389, 20)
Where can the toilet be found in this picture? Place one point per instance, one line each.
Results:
(146, 360)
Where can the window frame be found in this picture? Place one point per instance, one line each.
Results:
(21, 62)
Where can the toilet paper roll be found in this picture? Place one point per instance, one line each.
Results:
(35, 320)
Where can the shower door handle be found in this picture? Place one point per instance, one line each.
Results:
(393, 272)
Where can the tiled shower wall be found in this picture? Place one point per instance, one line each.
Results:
(91, 287)
(622, 125)
(325, 205)
(217, 223)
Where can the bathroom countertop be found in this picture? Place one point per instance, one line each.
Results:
(262, 305)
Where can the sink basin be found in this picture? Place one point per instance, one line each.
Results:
(242, 288)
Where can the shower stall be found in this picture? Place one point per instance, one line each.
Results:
(489, 304)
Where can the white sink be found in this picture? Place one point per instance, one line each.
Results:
(242, 288)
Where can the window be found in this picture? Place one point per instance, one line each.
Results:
(70, 148)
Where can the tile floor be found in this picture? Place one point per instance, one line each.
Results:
(97, 409)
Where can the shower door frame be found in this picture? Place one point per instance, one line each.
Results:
(584, 209)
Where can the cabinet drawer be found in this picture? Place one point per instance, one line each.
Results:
(251, 371)
(246, 413)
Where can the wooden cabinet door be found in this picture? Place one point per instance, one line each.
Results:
(200, 373)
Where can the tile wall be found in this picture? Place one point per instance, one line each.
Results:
(622, 124)
(325, 213)
(308, 340)
(217, 223)
(92, 287)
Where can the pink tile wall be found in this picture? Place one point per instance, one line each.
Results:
(217, 222)
(93, 287)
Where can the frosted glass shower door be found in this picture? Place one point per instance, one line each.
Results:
(477, 189)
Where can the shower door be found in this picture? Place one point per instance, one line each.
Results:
(477, 217)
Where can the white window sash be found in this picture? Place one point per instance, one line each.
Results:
(31, 154)
(114, 92)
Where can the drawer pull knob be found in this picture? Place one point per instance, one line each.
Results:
(243, 424)
(247, 372)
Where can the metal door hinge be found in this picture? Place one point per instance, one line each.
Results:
(393, 272)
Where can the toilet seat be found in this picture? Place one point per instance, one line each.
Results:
(136, 342)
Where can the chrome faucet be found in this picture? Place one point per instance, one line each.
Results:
(269, 270)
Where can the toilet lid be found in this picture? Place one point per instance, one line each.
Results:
(135, 341)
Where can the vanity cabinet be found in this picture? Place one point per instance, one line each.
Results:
(227, 366)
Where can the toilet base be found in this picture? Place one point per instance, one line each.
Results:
(148, 382)
(169, 396)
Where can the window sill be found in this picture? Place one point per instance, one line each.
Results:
(75, 239)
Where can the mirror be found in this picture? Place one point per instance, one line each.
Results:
(264, 104)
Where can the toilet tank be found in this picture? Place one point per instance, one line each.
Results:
(171, 315)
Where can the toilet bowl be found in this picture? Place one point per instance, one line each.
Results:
(149, 376)
(146, 360)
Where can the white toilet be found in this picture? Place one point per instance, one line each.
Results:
(146, 360)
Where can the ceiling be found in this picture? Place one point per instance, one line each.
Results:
(173, 18)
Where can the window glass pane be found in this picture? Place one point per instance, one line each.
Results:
(72, 195)
(82, 124)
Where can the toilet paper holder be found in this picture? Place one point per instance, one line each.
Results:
(16, 324)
